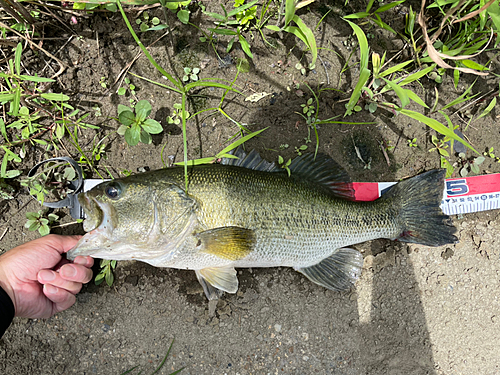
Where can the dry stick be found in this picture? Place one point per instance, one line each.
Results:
(121, 76)
(61, 64)
(9, 8)
(3, 234)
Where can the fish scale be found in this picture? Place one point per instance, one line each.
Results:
(248, 213)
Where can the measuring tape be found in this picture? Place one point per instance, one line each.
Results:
(460, 195)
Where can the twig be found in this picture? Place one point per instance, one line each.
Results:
(385, 153)
(61, 64)
(3, 234)
(121, 75)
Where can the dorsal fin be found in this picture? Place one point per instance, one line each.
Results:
(251, 161)
(324, 171)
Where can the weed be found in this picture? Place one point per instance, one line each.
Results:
(103, 82)
(490, 153)
(160, 365)
(469, 165)
(106, 272)
(300, 150)
(40, 221)
(191, 74)
(285, 165)
(136, 127)
(128, 87)
(177, 114)
(147, 24)
(412, 142)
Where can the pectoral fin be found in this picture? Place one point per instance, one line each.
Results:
(216, 280)
(232, 243)
(338, 272)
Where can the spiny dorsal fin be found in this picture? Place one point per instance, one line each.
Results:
(251, 161)
(325, 171)
(321, 169)
(232, 243)
(338, 272)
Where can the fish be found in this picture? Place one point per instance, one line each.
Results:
(246, 212)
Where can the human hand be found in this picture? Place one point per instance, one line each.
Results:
(39, 282)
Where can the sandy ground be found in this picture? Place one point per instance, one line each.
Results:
(416, 310)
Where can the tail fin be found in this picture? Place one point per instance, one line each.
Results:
(422, 220)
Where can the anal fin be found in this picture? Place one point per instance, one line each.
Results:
(338, 272)
(216, 280)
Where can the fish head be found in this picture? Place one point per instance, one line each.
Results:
(133, 218)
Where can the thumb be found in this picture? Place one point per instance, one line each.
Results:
(61, 244)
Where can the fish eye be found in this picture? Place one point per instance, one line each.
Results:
(113, 191)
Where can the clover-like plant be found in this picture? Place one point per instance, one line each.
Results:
(136, 127)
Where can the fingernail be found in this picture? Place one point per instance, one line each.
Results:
(51, 289)
(68, 271)
(47, 275)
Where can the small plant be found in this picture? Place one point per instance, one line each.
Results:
(136, 127)
(177, 114)
(300, 150)
(301, 68)
(284, 165)
(440, 146)
(412, 142)
(180, 8)
(40, 221)
(103, 82)
(190, 74)
(469, 165)
(308, 108)
(128, 86)
(284, 146)
(106, 272)
(147, 24)
(490, 153)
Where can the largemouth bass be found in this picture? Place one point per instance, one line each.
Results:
(248, 213)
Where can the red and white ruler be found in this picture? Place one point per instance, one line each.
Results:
(460, 196)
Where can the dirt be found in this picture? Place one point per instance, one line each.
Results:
(415, 310)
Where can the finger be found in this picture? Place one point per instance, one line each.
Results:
(61, 244)
(75, 272)
(85, 261)
(61, 298)
(47, 277)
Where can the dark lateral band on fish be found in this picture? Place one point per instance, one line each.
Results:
(247, 212)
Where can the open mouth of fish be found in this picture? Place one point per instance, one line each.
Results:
(99, 225)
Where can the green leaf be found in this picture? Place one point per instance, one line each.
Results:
(415, 98)
(32, 215)
(144, 27)
(59, 131)
(17, 57)
(289, 11)
(55, 97)
(400, 92)
(245, 46)
(146, 137)
(488, 108)
(311, 41)
(183, 16)
(142, 110)
(386, 7)
(223, 31)
(122, 91)
(395, 68)
(35, 79)
(12, 173)
(473, 65)
(273, 28)
(6, 97)
(133, 135)
(357, 15)
(436, 125)
(152, 126)
(122, 108)
(127, 118)
(109, 278)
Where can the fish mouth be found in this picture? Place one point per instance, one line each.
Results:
(99, 225)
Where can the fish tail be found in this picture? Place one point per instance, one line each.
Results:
(420, 215)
